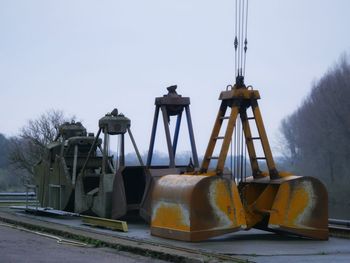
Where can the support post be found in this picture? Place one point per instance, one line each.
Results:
(191, 134)
(153, 136)
(176, 133)
(135, 147)
(168, 139)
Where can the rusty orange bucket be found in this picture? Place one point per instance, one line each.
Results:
(291, 204)
(195, 207)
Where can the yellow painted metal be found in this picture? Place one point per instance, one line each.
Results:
(104, 222)
(292, 204)
(240, 93)
(249, 143)
(264, 141)
(198, 206)
(214, 135)
(195, 207)
(227, 139)
(301, 207)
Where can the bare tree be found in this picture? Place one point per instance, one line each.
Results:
(30, 145)
(317, 134)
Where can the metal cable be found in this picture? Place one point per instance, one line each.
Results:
(245, 161)
(236, 40)
(241, 155)
(238, 147)
(231, 160)
(241, 37)
(235, 152)
(246, 38)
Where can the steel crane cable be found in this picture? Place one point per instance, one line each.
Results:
(236, 39)
(241, 45)
(241, 40)
(245, 162)
(242, 155)
(246, 37)
(238, 146)
(235, 152)
(240, 36)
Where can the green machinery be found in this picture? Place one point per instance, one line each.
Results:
(78, 172)
(56, 174)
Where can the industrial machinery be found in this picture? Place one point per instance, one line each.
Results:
(56, 174)
(202, 204)
(100, 184)
(133, 185)
(79, 173)
(171, 104)
(196, 206)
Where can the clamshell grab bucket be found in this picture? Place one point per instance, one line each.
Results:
(205, 204)
(171, 105)
(292, 205)
(195, 207)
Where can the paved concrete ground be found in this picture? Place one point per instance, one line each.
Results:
(22, 246)
(261, 246)
(254, 245)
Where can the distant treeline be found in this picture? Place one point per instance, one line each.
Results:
(317, 136)
(4, 145)
(10, 179)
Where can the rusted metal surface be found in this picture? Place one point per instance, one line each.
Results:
(55, 175)
(104, 191)
(183, 206)
(128, 190)
(74, 177)
(195, 207)
(153, 175)
(273, 200)
(292, 205)
(171, 104)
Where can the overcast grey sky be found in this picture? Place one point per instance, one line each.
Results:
(87, 57)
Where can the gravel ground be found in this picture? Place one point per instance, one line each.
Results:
(23, 246)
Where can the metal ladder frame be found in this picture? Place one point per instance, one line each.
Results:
(239, 99)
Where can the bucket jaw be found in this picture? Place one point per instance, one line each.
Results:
(199, 206)
(292, 204)
(195, 207)
(153, 174)
(97, 201)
